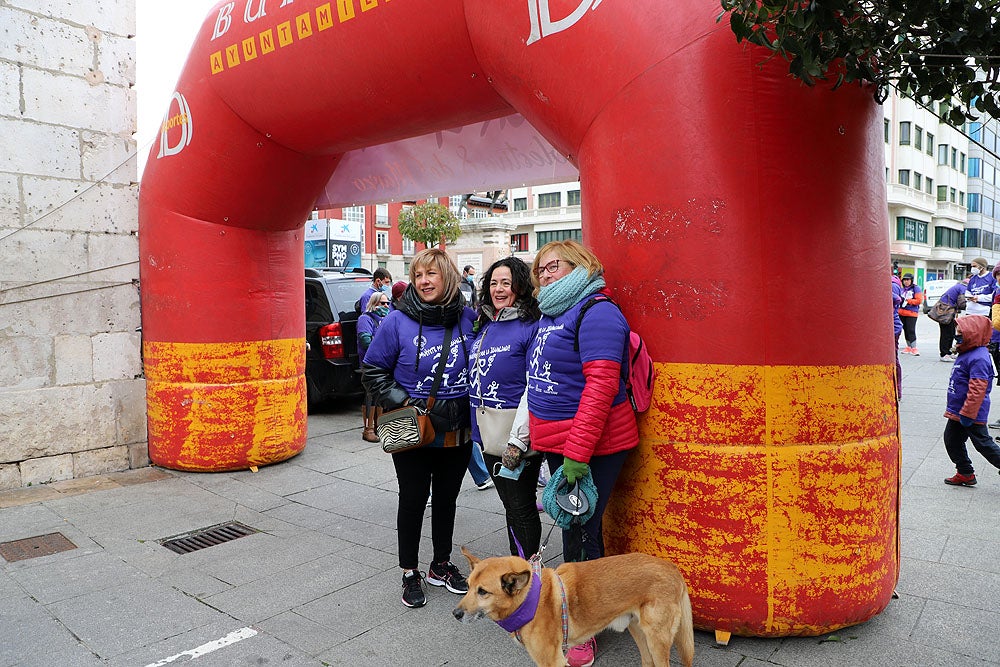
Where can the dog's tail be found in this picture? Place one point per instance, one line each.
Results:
(684, 641)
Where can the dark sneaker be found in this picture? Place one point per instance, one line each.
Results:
(447, 575)
(961, 480)
(995, 424)
(413, 589)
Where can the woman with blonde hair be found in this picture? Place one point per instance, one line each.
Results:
(399, 369)
(579, 412)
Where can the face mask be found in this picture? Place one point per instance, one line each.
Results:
(382, 310)
(507, 473)
(385, 289)
(958, 339)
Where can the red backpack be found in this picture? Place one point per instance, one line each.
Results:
(639, 373)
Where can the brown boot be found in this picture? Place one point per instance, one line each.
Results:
(368, 432)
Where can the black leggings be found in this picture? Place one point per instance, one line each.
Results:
(416, 471)
(518, 498)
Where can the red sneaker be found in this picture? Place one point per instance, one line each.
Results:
(961, 480)
(582, 655)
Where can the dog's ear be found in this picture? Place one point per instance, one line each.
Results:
(468, 556)
(512, 582)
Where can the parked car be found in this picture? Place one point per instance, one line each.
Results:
(933, 289)
(332, 364)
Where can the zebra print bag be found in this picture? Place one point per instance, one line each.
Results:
(405, 428)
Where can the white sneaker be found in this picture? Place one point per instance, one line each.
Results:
(488, 484)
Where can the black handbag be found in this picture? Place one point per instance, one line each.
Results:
(942, 313)
(410, 427)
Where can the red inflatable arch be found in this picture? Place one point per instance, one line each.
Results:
(740, 215)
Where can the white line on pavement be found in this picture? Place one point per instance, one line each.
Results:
(231, 638)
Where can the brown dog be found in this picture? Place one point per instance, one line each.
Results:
(640, 592)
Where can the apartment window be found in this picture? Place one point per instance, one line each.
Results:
(987, 239)
(918, 138)
(989, 173)
(904, 133)
(974, 167)
(930, 144)
(954, 158)
(971, 239)
(961, 162)
(520, 203)
(961, 198)
(908, 229)
(943, 154)
(479, 213)
(918, 181)
(942, 193)
(974, 202)
(951, 195)
(382, 242)
(550, 200)
(943, 109)
(988, 207)
(519, 242)
(886, 121)
(455, 203)
(947, 238)
(573, 198)
(929, 186)
(382, 215)
(541, 238)
(976, 131)
(904, 177)
(354, 214)
(409, 247)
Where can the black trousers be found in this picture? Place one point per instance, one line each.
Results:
(518, 498)
(955, 436)
(416, 471)
(947, 337)
(909, 330)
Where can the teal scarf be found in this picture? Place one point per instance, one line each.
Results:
(558, 297)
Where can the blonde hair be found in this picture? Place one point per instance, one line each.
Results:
(570, 251)
(374, 300)
(438, 259)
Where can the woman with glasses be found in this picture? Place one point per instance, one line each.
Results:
(580, 415)
(400, 368)
(508, 320)
(376, 309)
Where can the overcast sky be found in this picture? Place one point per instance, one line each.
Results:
(165, 30)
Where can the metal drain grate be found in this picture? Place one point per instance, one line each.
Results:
(33, 547)
(208, 537)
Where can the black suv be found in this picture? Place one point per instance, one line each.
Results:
(332, 364)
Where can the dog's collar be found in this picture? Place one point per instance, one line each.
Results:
(523, 614)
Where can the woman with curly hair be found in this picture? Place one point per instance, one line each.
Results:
(498, 362)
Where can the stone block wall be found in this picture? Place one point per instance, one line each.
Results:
(72, 393)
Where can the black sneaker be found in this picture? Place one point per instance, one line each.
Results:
(447, 575)
(413, 589)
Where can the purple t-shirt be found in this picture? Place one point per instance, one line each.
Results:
(555, 370)
(972, 364)
(395, 348)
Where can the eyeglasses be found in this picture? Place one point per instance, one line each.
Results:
(551, 267)
(383, 303)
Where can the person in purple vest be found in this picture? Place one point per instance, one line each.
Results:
(498, 377)
(979, 290)
(579, 412)
(399, 369)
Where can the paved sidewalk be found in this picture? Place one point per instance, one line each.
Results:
(319, 584)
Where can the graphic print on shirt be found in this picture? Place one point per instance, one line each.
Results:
(461, 379)
(481, 364)
(540, 373)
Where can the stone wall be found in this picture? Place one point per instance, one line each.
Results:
(72, 395)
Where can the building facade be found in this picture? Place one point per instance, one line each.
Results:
(72, 392)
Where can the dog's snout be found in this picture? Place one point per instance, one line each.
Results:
(457, 613)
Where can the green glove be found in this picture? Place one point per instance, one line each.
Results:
(574, 470)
